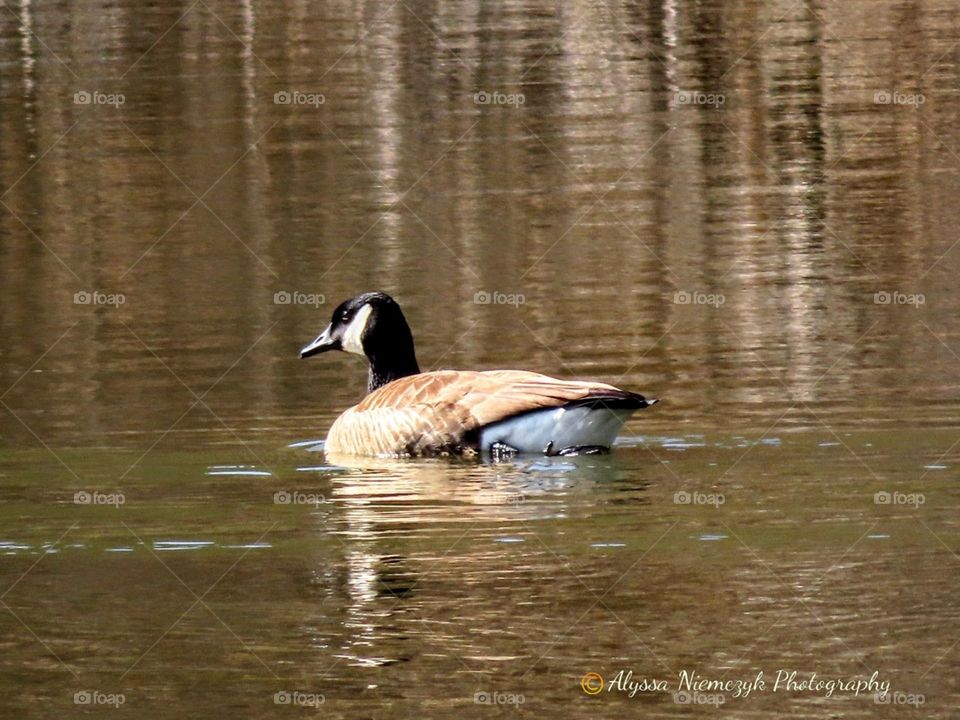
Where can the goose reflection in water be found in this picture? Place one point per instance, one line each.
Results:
(388, 514)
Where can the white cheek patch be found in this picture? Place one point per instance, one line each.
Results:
(352, 336)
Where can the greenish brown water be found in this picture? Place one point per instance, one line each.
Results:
(745, 209)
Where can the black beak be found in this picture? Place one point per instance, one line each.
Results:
(322, 344)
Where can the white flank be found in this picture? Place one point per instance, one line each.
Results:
(564, 427)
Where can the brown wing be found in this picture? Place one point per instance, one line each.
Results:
(440, 411)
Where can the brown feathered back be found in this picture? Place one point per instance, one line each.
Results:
(437, 412)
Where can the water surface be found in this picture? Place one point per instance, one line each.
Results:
(745, 209)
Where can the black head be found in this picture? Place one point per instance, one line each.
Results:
(373, 325)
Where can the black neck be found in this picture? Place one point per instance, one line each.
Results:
(388, 345)
(392, 367)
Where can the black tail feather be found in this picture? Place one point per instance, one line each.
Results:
(621, 400)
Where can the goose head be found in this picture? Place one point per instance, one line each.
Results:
(371, 325)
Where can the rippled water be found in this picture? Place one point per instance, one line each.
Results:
(745, 209)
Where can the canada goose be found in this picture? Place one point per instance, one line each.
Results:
(501, 412)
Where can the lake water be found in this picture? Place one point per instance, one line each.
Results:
(748, 210)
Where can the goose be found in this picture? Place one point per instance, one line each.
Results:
(495, 413)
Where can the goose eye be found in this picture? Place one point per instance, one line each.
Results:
(345, 315)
